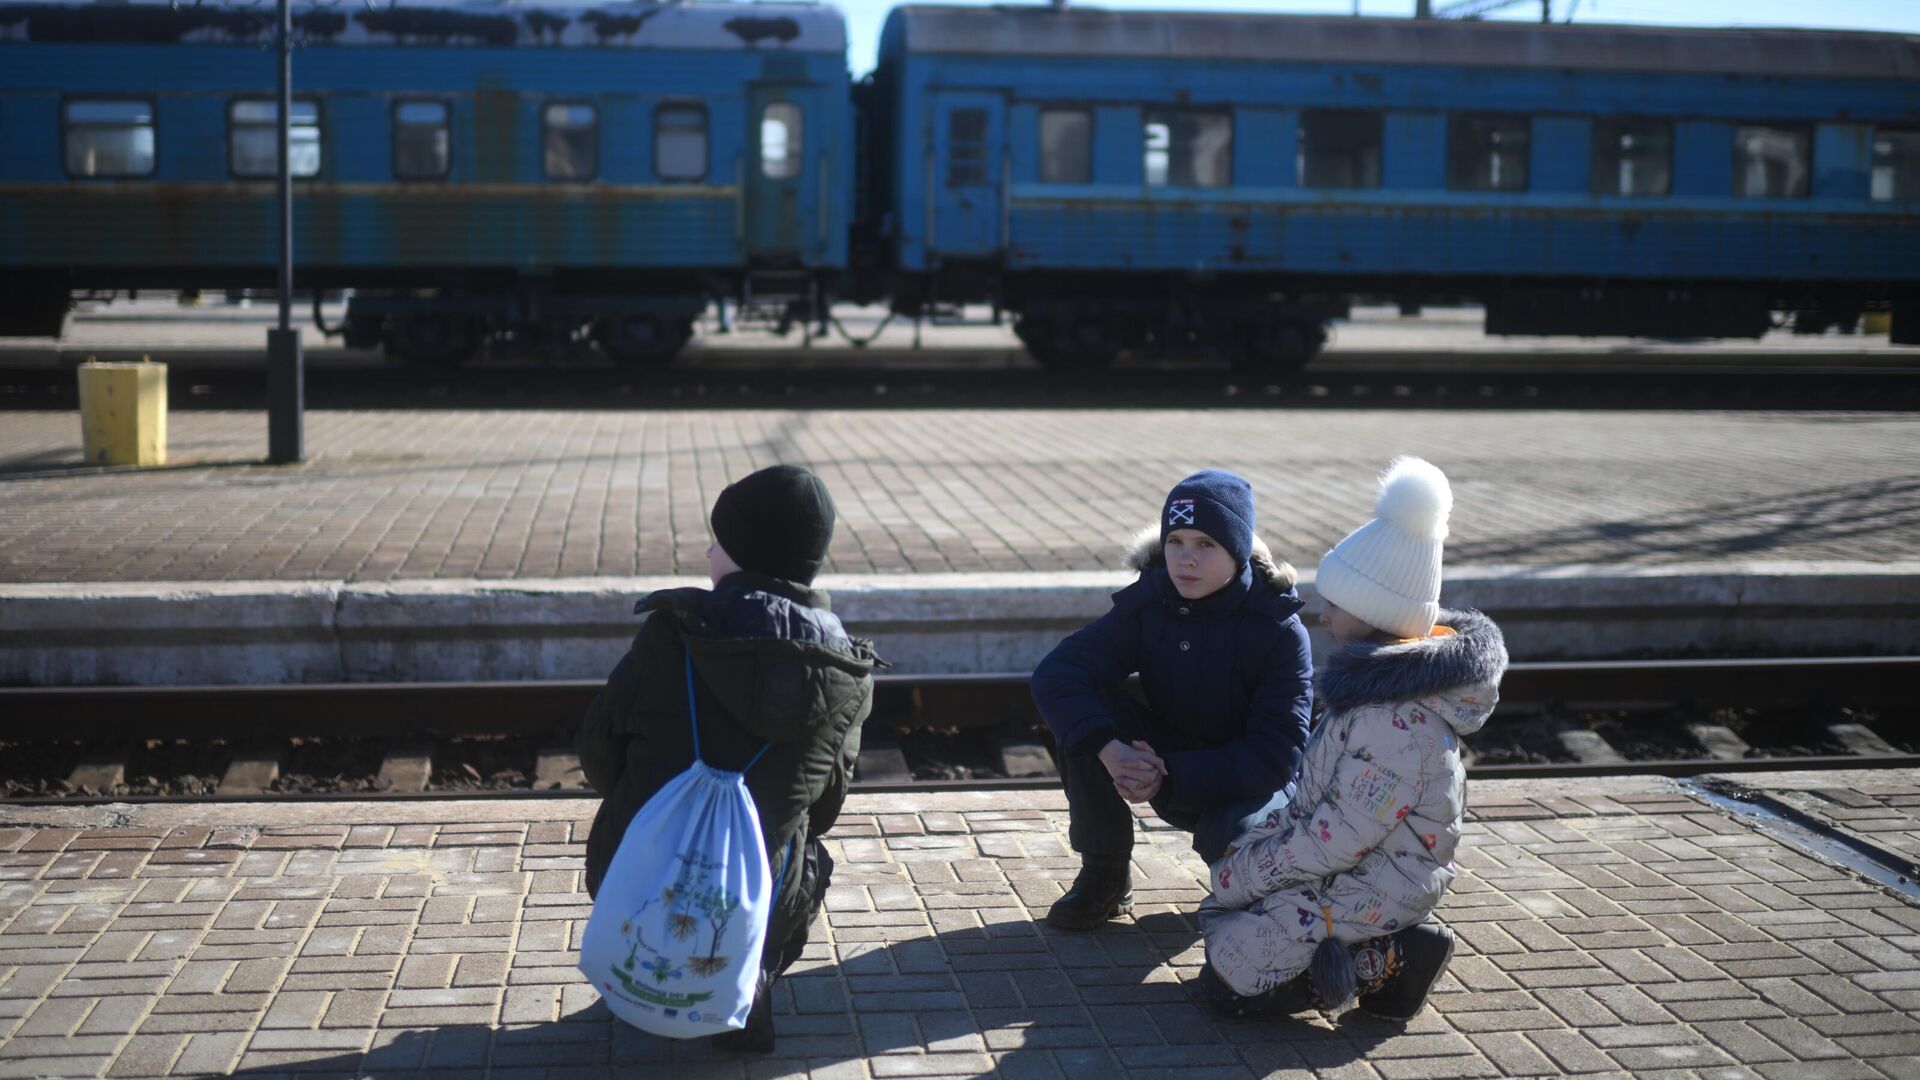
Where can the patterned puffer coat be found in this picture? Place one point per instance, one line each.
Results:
(1366, 847)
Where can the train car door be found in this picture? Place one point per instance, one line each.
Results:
(965, 186)
(786, 133)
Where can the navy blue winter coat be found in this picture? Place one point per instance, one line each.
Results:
(1232, 672)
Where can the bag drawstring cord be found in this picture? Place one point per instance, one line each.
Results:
(693, 718)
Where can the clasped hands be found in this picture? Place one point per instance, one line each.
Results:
(1136, 770)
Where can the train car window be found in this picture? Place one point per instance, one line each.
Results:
(1896, 164)
(1488, 152)
(1772, 161)
(1066, 146)
(1632, 157)
(422, 140)
(781, 140)
(1339, 148)
(1185, 148)
(108, 138)
(570, 141)
(680, 142)
(253, 138)
(966, 147)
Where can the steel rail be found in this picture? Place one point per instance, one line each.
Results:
(348, 710)
(1493, 386)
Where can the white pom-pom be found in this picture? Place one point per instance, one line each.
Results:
(1415, 498)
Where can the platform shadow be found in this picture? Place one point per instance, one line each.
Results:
(1007, 998)
(1742, 528)
(60, 464)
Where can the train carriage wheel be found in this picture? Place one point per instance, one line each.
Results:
(641, 339)
(435, 339)
(1082, 345)
(1279, 347)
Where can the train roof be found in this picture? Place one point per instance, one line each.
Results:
(795, 27)
(1038, 30)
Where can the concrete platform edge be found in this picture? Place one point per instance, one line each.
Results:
(188, 633)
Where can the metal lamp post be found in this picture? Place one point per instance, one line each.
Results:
(286, 377)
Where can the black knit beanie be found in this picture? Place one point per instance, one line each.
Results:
(776, 522)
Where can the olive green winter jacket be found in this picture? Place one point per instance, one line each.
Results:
(771, 664)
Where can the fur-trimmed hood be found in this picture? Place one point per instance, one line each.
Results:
(1464, 666)
(1144, 551)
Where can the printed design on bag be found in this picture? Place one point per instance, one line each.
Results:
(698, 910)
(1180, 512)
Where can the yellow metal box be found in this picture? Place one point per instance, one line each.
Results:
(123, 413)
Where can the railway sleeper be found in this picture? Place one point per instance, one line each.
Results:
(99, 770)
(1860, 739)
(1026, 757)
(881, 761)
(558, 766)
(1587, 746)
(253, 769)
(1719, 741)
(406, 767)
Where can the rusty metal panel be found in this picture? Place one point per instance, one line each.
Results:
(1198, 37)
(794, 27)
(1357, 237)
(379, 226)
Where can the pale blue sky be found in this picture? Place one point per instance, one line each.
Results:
(865, 16)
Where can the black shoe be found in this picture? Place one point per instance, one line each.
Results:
(1424, 952)
(757, 1036)
(1292, 996)
(1103, 891)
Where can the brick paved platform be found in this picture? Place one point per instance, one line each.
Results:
(1629, 930)
(511, 495)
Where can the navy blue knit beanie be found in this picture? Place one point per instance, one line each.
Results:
(1217, 503)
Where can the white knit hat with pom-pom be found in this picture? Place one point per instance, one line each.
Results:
(1387, 572)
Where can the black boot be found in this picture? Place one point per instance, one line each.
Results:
(1424, 952)
(1292, 996)
(757, 1036)
(1103, 891)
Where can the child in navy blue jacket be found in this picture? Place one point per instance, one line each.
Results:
(1212, 628)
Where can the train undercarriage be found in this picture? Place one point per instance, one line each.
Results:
(1268, 335)
(1065, 323)
(436, 330)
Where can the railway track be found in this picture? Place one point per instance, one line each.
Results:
(1502, 384)
(425, 740)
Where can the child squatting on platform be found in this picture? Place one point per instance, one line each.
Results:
(773, 668)
(1212, 627)
(1329, 895)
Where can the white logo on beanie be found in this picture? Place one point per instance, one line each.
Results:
(1180, 512)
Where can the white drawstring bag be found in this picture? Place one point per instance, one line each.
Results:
(674, 941)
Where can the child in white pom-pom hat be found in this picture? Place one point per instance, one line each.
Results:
(1333, 894)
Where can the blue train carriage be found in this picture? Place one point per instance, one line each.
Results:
(1142, 181)
(474, 170)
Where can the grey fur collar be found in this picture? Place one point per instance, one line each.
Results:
(1364, 673)
(1144, 551)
